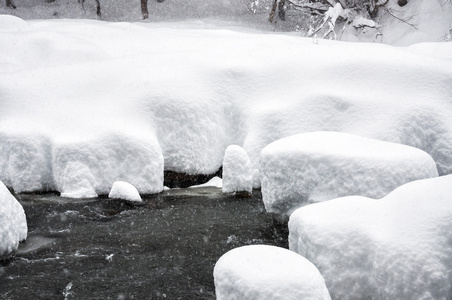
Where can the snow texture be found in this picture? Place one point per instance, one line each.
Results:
(398, 247)
(125, 191)
(86, 103)
(267, 272)
(318, 166)
(216, 182)
(13, 224)
(237, 171)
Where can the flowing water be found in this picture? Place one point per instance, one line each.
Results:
(165, 247)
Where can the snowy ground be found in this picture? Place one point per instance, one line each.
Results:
(86, 103)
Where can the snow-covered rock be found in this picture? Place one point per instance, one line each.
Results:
(237, 172)
(71, 95)
(125, 191)
(317, 166)
(26, 162)
(86, 169)
(398, 247)
(267, 272)
(13, 223)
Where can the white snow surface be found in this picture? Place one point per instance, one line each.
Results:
(267, 272)
(318, 166)
(398, 247)
(215, 181)
(237, 171)
(13, 223)
(125, 191)
(85, 103)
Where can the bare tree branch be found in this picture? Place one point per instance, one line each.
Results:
(406, 20)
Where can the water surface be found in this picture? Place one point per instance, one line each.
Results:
(111, 249)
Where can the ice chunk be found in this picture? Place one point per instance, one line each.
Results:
(13, 224)
(267, 272)
(317, 166)
(237, 172)
(398, 247)
(124, 190)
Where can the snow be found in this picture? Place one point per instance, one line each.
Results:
(13, 224)
(237, 171)
(267, 272)
(90, 102)
(215, 181)
(318, 166)
(397, 247)
(125, 191)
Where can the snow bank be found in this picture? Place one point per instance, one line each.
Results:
(124, 190)
(318, 166)
(13, 224)
(397, 247)
(237, 172)
(189, 91)
(25, 162)
(86, 169)
(267, 272)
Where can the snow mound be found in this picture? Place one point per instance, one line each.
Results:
(86, 169)
(318, 166)
(267, 272)
(237, 172)
(124, 190)
(397, 247)
(215, 181)
(13, 224)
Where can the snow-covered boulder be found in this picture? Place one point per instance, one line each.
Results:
(267, 272)
(398, 247)
(88, 169)
(125, 191)
(317, 166)
(26, 162)
(13, 223)
(237, 172)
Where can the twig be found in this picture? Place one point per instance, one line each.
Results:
(406, 21)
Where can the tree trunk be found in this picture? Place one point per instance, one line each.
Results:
(282, 10)
(273, 11)
(98, 9)
(144, 9)
(10, 3)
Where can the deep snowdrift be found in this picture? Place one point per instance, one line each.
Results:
(398, 247)
(13, 224)
(318, 166)
(89, 103)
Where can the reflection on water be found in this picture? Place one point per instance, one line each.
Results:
(110, 249)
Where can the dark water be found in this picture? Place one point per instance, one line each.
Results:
(110, 249)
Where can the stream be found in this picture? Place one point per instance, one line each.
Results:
(163, 248)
